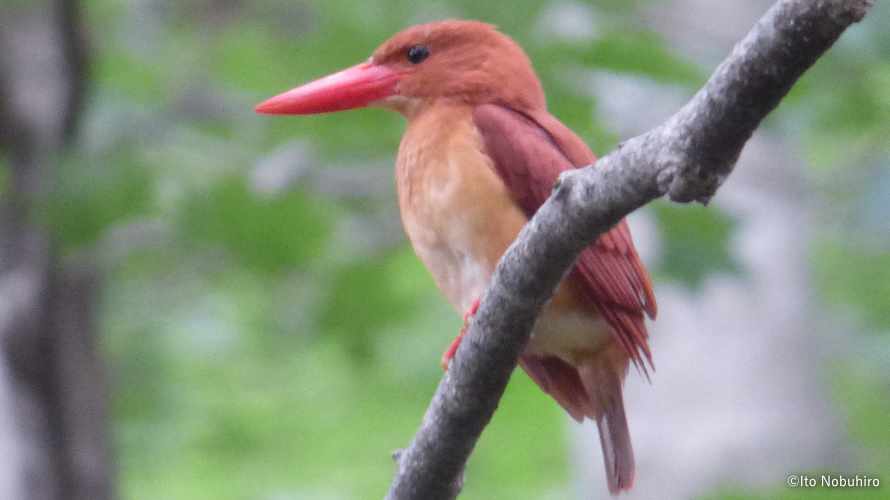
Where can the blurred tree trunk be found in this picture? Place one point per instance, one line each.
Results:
(53, 421)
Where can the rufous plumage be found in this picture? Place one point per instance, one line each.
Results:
(479, 156)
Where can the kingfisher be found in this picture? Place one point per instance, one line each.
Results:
(479, 156)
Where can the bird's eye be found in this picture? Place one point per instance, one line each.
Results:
(418, 53)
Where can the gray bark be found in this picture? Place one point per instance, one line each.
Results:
(53, 425)
(687, 158)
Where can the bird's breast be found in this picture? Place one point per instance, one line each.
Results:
(457, 212)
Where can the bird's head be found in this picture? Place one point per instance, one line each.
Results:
(463, 61)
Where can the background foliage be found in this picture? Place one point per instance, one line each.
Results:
(272, 336)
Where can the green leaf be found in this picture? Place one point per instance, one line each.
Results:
(368, 295)
(641, 53)
(92, 195)
(129, 75)
(695, 242)
(857, 277)
(4, 176)
(855, 388)
(266, 234)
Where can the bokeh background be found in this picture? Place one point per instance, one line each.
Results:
(200, 303)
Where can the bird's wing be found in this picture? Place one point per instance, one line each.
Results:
(529, 151)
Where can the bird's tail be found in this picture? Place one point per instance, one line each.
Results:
(592, 388)
(602, 383)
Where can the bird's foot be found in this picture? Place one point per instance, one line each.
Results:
(449, 353)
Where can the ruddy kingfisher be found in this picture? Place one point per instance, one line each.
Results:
(479, 156)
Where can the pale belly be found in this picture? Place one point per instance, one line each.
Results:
(460, 219)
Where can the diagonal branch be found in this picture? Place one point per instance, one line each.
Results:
(687, 158)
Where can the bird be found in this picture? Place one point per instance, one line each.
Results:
(479, 155)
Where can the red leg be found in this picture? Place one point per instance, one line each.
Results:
(449, 353)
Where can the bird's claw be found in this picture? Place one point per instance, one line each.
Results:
(449, 353)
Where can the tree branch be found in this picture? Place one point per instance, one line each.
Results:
(687, 158)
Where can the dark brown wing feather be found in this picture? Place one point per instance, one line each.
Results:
(529, 151)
